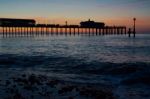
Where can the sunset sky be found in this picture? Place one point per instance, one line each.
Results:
(112, 12)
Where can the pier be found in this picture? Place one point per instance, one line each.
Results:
(22, 27)
(58, 30)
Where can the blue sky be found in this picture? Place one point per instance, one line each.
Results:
(109, 11)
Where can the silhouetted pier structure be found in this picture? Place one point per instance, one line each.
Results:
(132, 31)
(29, 27)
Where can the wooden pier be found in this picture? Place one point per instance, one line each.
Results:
(59, 30)
(25, 27)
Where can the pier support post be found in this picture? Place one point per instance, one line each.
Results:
(27, 31)
(78, 30)
(30, 30)
(96, 31)
(21, 30)
(129, 32)
(134, 32)
(6, 30)
(12, 30)
(65, 30)
(74, 29)
(93, 31)
(3, 30)
(36, 30)
(117, 31)
(41, 30)
(111, 30)
(89, 31)
(103, 31)
(56, 30)
(18, 31)
(106, 30)
(70, 30)
(9, 30)
(121, 30)
(61, 31)
(99, 31)
(47, 30)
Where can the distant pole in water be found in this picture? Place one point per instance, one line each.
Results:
(129, 32)
(134, 19)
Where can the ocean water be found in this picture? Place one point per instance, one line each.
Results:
(113, 60)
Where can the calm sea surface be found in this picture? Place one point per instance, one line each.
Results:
(109, 59)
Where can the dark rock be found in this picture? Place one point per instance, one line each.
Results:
(21, 81)
(42, 77)
(145, 79)
(12, 90)
(28, 87)
(120, 70)
(66, 89)
(23, 75)
(70, 97)
(45, 94)
(14, 86)
(8, 82)
(33, 79)
(18, 96)
(7, 61)
(52, 83)
(96, 94)
(32, 96)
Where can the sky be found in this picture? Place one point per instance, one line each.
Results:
(112, 12)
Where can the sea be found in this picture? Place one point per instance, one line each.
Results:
(112, 60)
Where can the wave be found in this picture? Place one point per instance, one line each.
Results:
(71, 65)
